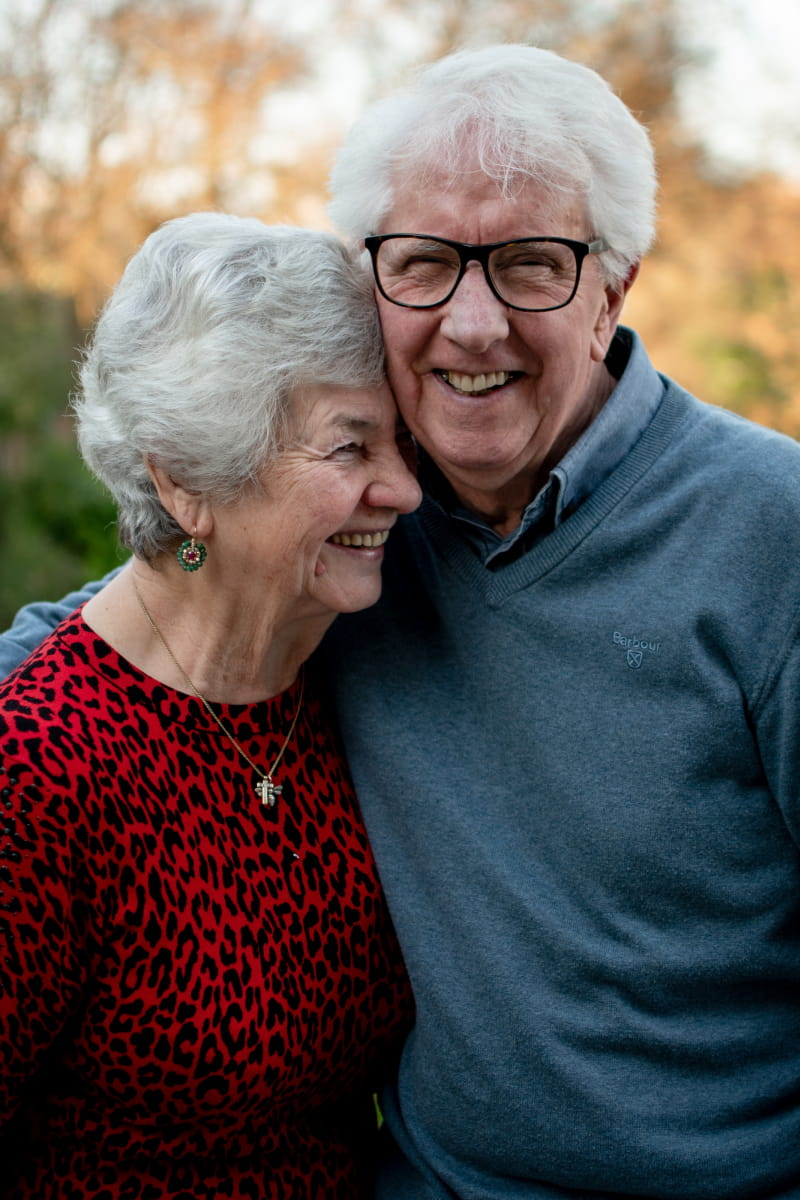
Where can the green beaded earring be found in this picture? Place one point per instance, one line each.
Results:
(191, 554)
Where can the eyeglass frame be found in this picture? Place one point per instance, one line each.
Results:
(476, 252)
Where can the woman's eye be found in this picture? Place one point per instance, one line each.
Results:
(347, 449)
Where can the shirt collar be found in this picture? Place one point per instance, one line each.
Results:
(597, 452)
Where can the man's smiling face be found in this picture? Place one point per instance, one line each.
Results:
(496, 396)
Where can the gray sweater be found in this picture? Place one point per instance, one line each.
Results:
(580, 772)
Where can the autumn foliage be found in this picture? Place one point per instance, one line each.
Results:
(117, 115)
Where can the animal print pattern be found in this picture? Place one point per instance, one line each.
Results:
(197, 993)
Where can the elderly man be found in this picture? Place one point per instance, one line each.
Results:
(572, 716)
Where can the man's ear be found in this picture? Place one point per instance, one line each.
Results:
(632, 273)
(190, 509)
(616, 295)
(608, 317)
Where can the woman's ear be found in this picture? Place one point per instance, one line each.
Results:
(191, 510)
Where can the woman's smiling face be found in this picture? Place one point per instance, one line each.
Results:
(315, 533)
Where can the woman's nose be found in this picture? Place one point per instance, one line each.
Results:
(395, 486)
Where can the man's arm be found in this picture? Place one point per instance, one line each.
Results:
(778, 732)
(33, 623)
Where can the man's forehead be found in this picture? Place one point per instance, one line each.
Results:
(461, 196)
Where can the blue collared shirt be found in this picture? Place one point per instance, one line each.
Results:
(600, 448)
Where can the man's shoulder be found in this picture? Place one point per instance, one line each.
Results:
(35, 621)
(43, 667)
(729, 447)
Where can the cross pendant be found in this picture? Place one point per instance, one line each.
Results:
(267, 791)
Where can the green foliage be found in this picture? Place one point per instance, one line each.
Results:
(56, 521)
(766, 290)
(740, 376)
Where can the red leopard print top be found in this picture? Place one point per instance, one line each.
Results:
(196, 992)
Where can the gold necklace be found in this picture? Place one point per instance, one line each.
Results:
(266, 790)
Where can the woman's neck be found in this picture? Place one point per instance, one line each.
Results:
(196, 639)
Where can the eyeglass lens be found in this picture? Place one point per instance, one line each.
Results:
(530, 275)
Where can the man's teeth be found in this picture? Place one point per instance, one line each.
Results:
(476, 383)
(360, 539)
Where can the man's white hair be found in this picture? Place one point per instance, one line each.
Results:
(528, 114)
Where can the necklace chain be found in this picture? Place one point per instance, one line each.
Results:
(265, 789)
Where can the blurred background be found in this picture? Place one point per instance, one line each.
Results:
(115, 116)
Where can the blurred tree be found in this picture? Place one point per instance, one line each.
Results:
(56, 522)
(117, 114)
(719, 299)
(160, 112)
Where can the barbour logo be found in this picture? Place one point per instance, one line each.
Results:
(636, 648)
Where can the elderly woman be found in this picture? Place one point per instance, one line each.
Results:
(198, 976)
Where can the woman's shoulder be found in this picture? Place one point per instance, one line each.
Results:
(60, 710)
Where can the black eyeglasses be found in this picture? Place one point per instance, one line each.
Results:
(532, 274)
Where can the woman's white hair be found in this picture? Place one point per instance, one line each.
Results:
(216, 323)
(529, 114)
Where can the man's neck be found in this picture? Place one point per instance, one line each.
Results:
(502, 506)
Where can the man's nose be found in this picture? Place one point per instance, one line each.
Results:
(473, 317)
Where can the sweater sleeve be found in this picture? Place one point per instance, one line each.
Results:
(43, 926)
(777, 725)
(35, 621)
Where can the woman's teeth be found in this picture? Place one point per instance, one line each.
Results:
(472, 384)
(366, 540)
